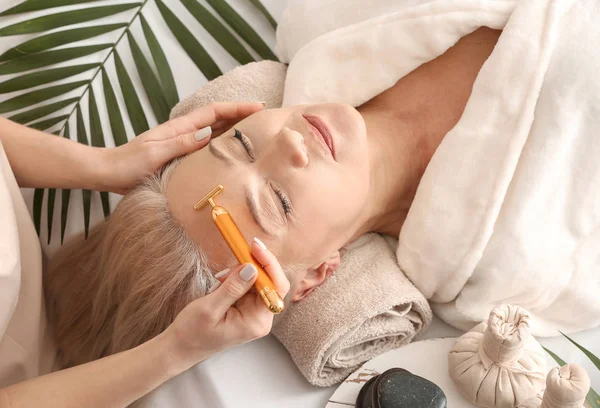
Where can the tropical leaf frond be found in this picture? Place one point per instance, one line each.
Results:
(265, 12)
(114, 114)
(97, 138)
(65, 18)
(195, 51)
(219, 31)
(132, 102)
(33, 97)
(43, 77)
(243, 29)
(40, 91)
(162, 65)
(36, 5)
(38, 201)
(41, 111)
(57, 39)
(150, 83)
(48, 123)
(46, 58)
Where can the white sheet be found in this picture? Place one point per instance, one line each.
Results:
(262, 375)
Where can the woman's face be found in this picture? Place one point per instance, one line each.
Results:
(284, 182)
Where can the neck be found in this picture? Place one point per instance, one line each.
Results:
(392, 182)
(401, 144)
(406, 124)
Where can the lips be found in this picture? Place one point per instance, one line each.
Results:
(322, 131)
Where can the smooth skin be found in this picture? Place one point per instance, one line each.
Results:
(229, 316)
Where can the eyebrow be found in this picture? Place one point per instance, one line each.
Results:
(218, 153)
(254, 211)
(251, 200)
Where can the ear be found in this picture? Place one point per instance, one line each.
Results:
(315, 276)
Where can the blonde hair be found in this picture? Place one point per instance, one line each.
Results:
(126, 283)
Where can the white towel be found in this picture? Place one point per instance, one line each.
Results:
(508, 209)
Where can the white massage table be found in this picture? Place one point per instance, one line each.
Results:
(259, 374)
(262, 375)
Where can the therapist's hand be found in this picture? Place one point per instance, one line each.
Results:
(229, 316)
(130, 163)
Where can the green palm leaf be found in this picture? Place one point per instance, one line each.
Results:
(243, 29)
(65, 196)
(132, 102)
(556, 358)
(97, 141)
(189, 43)
(51, 199)
(57, 39)
(153, 88)
(595, 360)
(593, 398)
(121, 97)
(52, 21)
(35, 5)
(87, 194)
(114, 113)
(265, 12)
(38, 200)
(40, 112)
(31, 98)
(48, 123)
(43, 59)
(219, 31)
(162, 65)
(43, 77)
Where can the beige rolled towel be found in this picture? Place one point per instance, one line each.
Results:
(367, 306)
(261, 81)
(499, 364)
(566, 387)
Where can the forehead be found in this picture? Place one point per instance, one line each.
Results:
(193, 178)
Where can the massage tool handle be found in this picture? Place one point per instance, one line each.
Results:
(240, 248)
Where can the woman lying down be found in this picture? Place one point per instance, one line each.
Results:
(473, 140)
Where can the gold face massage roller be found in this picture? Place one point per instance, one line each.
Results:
(241, 250)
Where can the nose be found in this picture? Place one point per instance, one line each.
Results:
(291, 148)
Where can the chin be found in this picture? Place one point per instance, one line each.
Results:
(347, 122)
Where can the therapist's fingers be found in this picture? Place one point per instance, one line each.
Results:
(204, 116)
(208, 115)
(271, 265)
(239, 281)
(218, 111)
(193, 131)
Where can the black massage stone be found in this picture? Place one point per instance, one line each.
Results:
(398, 388)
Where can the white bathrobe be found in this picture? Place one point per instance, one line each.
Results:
(508, 210)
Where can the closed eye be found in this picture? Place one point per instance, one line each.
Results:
(285, 202)
(245, 143)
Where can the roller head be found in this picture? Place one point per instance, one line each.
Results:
(208, 199)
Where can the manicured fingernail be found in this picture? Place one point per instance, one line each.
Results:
(263, 103)
(222, 273)
(260, 243)
(203, 133)
(248, 272)
(214, 287)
